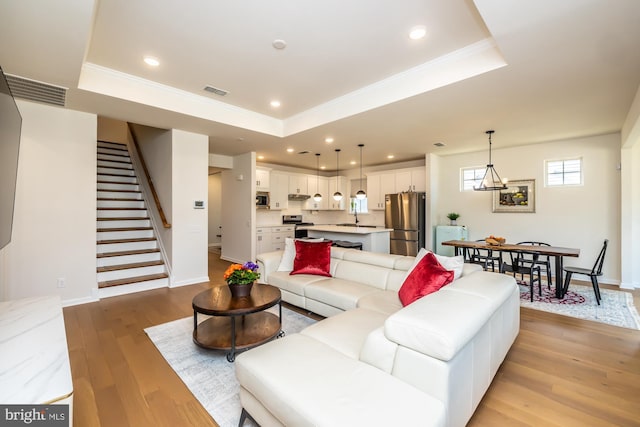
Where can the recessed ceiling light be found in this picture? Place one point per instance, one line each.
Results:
(352, 162)
(151, 61)
(275, 103)
(260, 157)
(323, 167)
(390, 156)
(328, 140)
(417, 32)
(290, 150)
(279, 44)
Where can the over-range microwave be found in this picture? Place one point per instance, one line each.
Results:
(262, 200)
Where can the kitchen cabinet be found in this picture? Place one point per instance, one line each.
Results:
(411, 179)
(338, 184)
(278, 191)
(317, 185)
(298, 184)
(378, 185)
(272, 238)
(262, 179)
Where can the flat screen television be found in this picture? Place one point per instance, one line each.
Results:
(10, 127)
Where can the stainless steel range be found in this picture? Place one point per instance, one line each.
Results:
(297, 221)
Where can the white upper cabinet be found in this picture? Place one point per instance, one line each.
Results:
(279, 191)
(317, 185)
(337, 184)
(298, 184)
(413, 179)
(262, 179)
(378, 185)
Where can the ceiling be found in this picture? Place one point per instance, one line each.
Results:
(533, 70)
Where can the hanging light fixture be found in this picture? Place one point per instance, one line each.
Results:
(317, 197)
(361, 194)
(491, 180)
(337, 196)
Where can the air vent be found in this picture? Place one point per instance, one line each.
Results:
(303, 152)
(220, 92)
(439, 144)
(32, 90)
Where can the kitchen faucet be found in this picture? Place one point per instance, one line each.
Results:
(355, 214)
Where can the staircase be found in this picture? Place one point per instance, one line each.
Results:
(128, 255)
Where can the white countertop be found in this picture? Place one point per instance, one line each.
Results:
(345, 229)
(34, 358)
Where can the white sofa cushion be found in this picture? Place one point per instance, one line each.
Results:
(442, 323)
(339, 293)
(303, 382)
(294, 284)
(386, 302)
(346, 332)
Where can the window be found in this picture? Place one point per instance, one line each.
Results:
(358, 205)
(563, 172)
(471, 177)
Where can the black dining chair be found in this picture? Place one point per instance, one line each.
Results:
(593, 274)
(542, 260)
(486, 258)
(518, 266)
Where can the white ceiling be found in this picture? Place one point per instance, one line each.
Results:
(533, 70)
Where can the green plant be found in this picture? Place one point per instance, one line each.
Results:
(242, 274)
(453, 216)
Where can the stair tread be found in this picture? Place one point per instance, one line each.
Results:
(114, 143)
(105, 190)
(122, 209)
(131, 280)
(130, 265)
(123, 154)
(125, 218)
(115, 199)
(117, 174)
(102, 230)
(115, 161)
(116, 167)
(124, 253)
(112, 241)
(101, 181)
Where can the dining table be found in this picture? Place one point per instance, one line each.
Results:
(558, 253)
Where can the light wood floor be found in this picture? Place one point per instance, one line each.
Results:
(561, 371)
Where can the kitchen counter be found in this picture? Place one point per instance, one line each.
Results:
(372, 239)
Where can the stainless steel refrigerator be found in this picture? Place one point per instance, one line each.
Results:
(405, 214)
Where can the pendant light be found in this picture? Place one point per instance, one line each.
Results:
(317, 197)
(361, 194)
(337, 196)
(491, 180)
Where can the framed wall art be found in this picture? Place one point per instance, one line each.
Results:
(519, 196)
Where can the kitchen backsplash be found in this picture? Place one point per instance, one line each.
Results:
(272, 217)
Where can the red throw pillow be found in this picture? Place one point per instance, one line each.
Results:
(427, 277)
(312, 258)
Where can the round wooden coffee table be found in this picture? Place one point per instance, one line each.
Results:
(236, 323)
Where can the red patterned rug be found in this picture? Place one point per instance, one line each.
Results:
(616, 307)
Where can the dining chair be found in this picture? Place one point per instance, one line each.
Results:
(593, 274)
(518, 266)
(486, 258)
(543, 261)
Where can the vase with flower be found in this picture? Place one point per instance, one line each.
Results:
(241, 277)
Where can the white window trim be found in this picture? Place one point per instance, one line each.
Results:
(473, 168)
(546, 172)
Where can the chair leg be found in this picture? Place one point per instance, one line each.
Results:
(596, 288)
(548, 267)
(567, 279)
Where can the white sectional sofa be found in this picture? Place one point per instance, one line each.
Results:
(373, 362)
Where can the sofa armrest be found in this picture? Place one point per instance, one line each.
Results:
(469, 268)
(268, 262)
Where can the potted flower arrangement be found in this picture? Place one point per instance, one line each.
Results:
(453, 216)
(241, 277)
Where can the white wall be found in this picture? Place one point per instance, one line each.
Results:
(239, 210)
(215, 208)
(190, 165)
(112, 130)
(579, 217)
(156, 146)
(54, 231)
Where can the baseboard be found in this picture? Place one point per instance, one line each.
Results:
(189, 282)
(78, 301)
(215, 245)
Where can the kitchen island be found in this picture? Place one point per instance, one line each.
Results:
(373, 239)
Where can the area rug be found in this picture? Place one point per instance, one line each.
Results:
(616, 307)
(206, 373)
